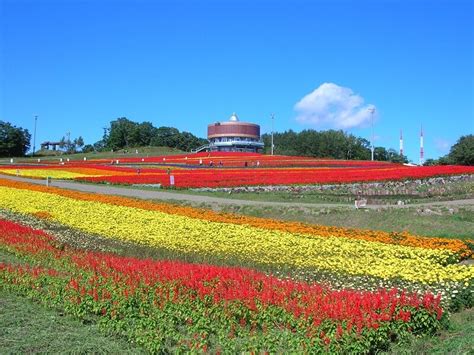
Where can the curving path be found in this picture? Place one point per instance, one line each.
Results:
(176, 196)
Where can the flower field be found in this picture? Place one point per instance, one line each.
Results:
(200, 307)
(221, 282)
(259, 285)
(229, 170)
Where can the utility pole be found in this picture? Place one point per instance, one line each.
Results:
(273, 119)
(401, 143)
(372, 110)
(68, 141)
(422, 152)
(34, 136)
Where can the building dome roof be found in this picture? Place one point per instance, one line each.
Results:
(234, 118)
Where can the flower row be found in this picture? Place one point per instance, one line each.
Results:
(406, 239)
(184, 234)
(195, 178)
(166, 305)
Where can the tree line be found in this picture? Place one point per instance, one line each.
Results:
(461, 153)
(14, 141)
(124, 133)
(328, 144)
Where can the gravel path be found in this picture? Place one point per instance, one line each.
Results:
(176, 196)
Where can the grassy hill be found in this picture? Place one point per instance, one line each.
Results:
(143, 152)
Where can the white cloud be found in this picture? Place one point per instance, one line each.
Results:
(334, 106)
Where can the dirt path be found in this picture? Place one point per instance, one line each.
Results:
(175, 196)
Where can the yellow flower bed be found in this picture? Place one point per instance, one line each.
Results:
(43, 173)
(66, 173)
(185, 234)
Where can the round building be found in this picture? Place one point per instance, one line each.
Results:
(234, 136)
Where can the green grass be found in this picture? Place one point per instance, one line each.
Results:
(28, 327)
(276, 196)
(8, 258)
(457, 339)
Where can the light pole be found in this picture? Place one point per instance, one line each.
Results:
(68, 142)
(34, 136)
(372, 110)
(273, 119)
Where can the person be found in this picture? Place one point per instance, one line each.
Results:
(246, 164)
(168, 171)
(200, 162)
(258, 163)
(220, 163)
(211, 163)
(138, 171)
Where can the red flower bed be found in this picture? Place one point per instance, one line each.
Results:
(228, 159)
(242, 177)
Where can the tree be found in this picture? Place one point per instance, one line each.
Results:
(430, 162)
(322, 144)
(146, 132)
(70, 146)
(462, 153)
(99, 146)
(380, 154)
(395, 157)
(124, 133)
(361, 151)
(14, 141)
(62, 142)
(77, 143)
(88, 148)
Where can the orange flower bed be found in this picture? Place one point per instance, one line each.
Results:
(102, 172)
(43, 215)
(405, 239)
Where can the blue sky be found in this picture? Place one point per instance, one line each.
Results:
(315, 64)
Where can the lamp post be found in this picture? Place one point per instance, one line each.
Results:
(273, 119)
(372, 110)
(34, 136)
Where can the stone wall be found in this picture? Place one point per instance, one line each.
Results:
(436, 186)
